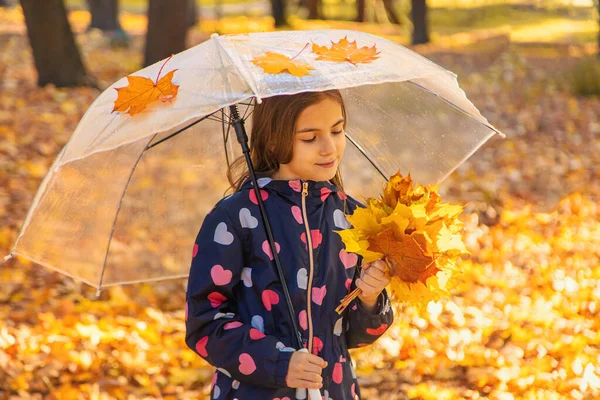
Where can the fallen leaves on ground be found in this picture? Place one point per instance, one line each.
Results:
(524, 323)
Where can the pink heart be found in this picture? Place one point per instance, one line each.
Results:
(216, 299)
(324, 193)
(316, 237)
(247, 365)
(353, 390)
(263, 194)
(269, 298)
(338, 373)
(348, 259)
(378, 331)
(186, 310)
(342, 195)
(348, 283)
(354, 307)
(214, 379)
(297, 213)
(302, 318)
(220, 276)
(195, 250)
(318, 294)
(256, 334)
(232, 325)
(267, 248)
(201, 346)
(317, 345)
(295, 184)
(362, 344)
(282, 398)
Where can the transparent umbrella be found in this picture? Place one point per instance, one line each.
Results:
(125, 198)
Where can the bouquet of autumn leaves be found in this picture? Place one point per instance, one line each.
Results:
(417, 235)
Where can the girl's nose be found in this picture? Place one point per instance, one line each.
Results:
(328, 146)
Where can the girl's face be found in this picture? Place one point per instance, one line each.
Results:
(319, 143)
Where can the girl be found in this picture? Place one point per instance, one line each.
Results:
(236, 314)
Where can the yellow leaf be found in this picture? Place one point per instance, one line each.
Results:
(345, 51)
(142, 91)
(275, 63)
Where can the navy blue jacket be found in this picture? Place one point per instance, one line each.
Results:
(236, 314)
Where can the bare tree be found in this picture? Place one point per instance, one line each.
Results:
(360, 10)
(167, 29)
(598, 6)
(105, 14)
(391, 12)
(420, 23)
(55, 52)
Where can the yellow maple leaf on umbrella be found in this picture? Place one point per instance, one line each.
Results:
(275, 63)
(142, 91)
(346, 51)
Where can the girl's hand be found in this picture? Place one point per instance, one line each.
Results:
(305, 370)
(372, 281)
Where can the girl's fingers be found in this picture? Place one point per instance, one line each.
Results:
(312, 368)
(316, 360)
(374, 281)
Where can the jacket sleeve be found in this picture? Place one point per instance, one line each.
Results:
(213, 329)
(364, 327)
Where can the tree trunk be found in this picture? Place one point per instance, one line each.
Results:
(419, 20)
(55, 52)
(4, 3)
(167, 29)
(598, 4)
(192, 14)
(105, 15)
(313, 9)
(360, 10)
(278, 12)
(391, 12)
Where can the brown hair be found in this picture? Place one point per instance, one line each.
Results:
(272, 134)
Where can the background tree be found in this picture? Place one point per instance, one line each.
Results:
(420, 23)
(167, 29)
(55, 52)
(192, 16)
(598, 7)
(360, 10)
(105, 16)
(313, 9)
(278, 11)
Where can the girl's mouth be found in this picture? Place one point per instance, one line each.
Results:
(329, 165)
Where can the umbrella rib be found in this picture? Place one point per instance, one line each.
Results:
(178, 132)
(359, 147)
(112, 231)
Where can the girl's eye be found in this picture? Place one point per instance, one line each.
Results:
(313, 139)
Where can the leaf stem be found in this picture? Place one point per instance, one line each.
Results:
(300, 51)
(161, 68)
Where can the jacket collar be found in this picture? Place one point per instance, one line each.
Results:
(292, 188)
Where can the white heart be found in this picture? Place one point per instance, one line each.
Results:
(262, 182)
(340, 220)
(281, 347)
(217, 392)
(247, 220)
(235, 384)
(337, 329)
(258, 323)
(302, 277)
(221, 315)
(222, 236)
(301, 393)
(353, 372)
(223, 370)
(247, 276)
(326, 395)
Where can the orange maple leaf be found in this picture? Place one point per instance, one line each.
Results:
(344, 50)
(141, 91)
(275, 63)
(409, 259)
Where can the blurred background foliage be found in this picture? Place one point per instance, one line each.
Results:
(525, 322)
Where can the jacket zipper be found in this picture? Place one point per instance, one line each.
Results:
(311, 266)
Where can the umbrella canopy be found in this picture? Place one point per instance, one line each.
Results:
(126, 196)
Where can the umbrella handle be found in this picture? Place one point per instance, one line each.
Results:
(313, 394)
